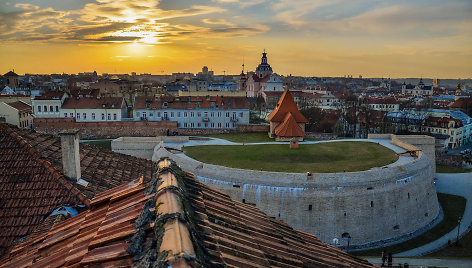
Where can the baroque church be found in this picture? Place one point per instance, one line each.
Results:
(260, 81)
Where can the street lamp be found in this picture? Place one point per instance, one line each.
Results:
(458, 229)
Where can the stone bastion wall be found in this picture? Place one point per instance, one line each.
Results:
(374, 206)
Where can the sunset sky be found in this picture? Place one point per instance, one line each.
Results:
(374, 38)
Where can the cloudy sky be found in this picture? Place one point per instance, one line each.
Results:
(373, 38)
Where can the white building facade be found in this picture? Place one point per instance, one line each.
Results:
(214, 112)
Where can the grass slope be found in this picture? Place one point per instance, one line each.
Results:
(450, 169)
(322, 157)
(453, 207)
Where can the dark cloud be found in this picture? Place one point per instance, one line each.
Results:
(115, 39)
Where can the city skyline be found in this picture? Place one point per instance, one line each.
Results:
(310, 38)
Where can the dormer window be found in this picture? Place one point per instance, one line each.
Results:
(164, 105)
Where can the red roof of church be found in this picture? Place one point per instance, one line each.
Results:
(285, 105)
(289, 128)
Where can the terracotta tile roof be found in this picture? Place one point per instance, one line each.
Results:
(263, 79)
(174, 221)
(289, 128)
(193, 102)
(93, 103)
(50, 95)
(30, 188)
(102, 169)
(20, 106)
(286, 104)
(462, 103)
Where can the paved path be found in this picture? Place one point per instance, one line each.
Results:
(427, 262)
(456, 184)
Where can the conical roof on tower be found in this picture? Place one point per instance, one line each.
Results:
(289, 128)
(285, 105)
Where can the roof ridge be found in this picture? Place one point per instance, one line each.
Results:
(176, 246)
(56, 174)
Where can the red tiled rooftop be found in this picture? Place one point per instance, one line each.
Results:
(102, 169)
(50, 95)
(286, 104)
(93, 103)
(203, 102)
(289, 128)
(205, 228)
(30, 188)
(20, 106)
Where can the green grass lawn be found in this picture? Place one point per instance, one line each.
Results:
(450, 169)
(453, 207)
(244, 137)
(322, 157)
(105, 144)
(463, 250)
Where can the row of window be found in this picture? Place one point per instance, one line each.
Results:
(51, 108)
(382, 105)
(84, 116)
(205, 125)
(185, 114)
(25, 123)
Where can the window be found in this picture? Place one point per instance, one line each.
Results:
(178, 114)
(85, 115)
(103, 116)
(93, 116)
(371, 204)
(185, 114)
(199, 125)
(65, 114)
(109, 116)
(71, 115)
(241, 114)
(191, 114)
(51, 109)
(57, 108)
(114, 116)
(39, 108)
(185, 124)
(212, 125)
(45, 108)
(78, 115)
(310, 207)
(219, 125)
(199, 114)
(144, 115)
(227, 114)
(159, 114)
(171, 114)
(219, 114)
(212, 114)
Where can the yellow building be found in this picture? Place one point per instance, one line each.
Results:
(17, 113)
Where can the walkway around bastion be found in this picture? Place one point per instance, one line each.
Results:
(357, 202)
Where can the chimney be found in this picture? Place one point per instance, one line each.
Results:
(70, 153)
